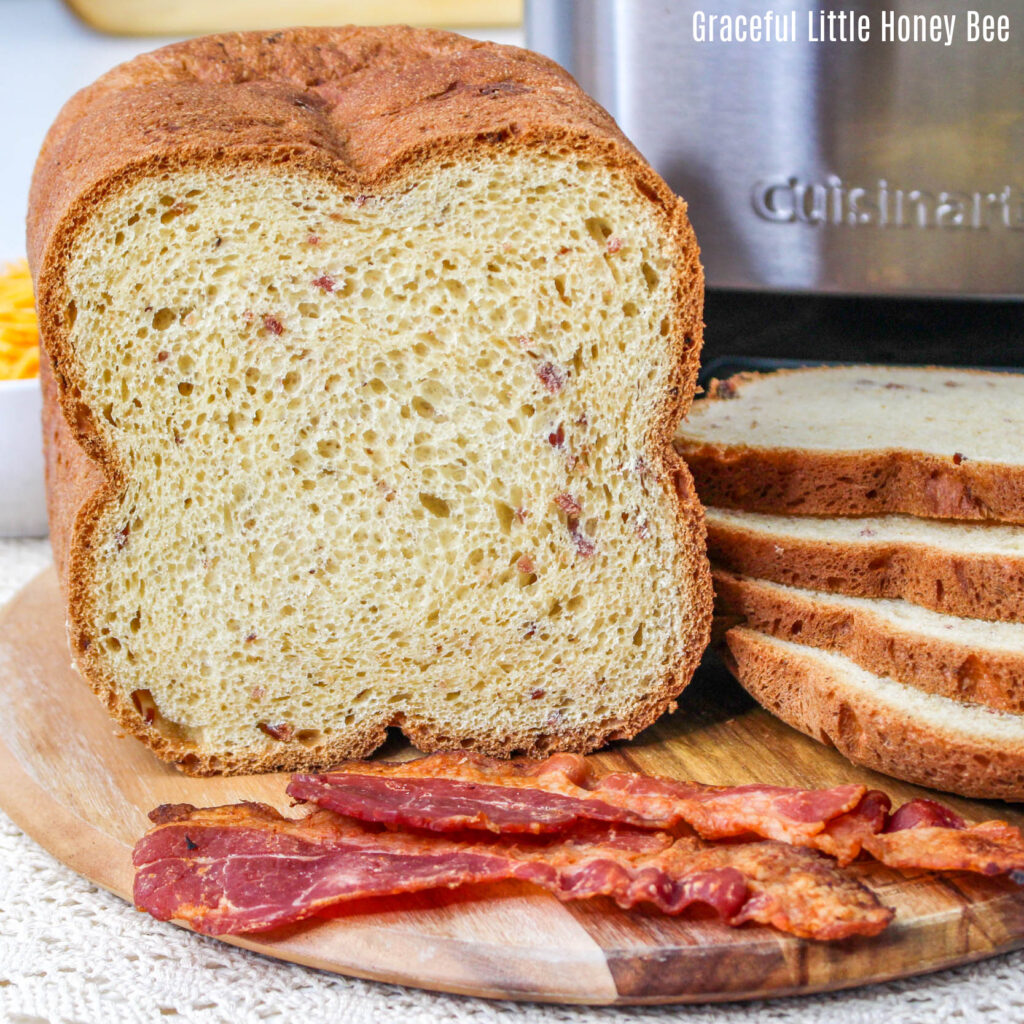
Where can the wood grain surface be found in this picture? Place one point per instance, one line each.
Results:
(82, 791)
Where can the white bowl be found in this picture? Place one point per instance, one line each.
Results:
(22, 497)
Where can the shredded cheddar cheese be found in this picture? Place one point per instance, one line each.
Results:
(19, 329)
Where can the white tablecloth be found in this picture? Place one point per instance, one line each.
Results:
(71, 953)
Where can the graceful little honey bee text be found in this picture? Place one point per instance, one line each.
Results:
(850, 26)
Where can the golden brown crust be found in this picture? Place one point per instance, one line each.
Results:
(358, 110)
(72, 478)
(973, 586)
(800, 481)
(947, 667)
(810, 697)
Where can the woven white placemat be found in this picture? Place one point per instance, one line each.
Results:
(71, 953)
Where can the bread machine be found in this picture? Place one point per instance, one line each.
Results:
(824, 162)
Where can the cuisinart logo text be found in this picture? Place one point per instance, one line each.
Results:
(791, 200)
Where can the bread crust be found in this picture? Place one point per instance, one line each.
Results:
(812, 698)
(959, 671)
(358, 111)
(970, 586)
(799, 481)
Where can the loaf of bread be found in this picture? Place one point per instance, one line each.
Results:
(974, 570)
(861, 440)
(964, 659)
(879, 723)
(366, 348)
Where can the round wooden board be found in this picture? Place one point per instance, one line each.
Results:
(82, 791)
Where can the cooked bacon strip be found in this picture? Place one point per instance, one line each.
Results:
(925, 834)
(784, 813)
(844, 837)
(923, 812)
(452, 791)
(991, 848)
(246, 868)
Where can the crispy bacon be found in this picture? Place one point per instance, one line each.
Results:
(246, 868)
(991, 848)
(453, 791)
(843, 837)
(450, 791)
(923, 834)
(923, 812)
(926, 834)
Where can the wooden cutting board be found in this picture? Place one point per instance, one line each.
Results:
(82, 791)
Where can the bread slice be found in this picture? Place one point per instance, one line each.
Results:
(962, 659)
(879, 723)
(973, 570)
(367, 349)
(861, 440)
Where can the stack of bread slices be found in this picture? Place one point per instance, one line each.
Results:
(866, 529)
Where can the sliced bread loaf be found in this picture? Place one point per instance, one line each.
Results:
(366, 348)
(963, 659)
(879, 723)
(861, 440)
(974, 570)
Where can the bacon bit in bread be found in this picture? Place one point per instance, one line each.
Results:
(551, 377)
(568, 504)
(525, 565)
(19, 328)
(278, 730)
(584, 545)
(273, 324)
(614, 244)
(121, 537)
(250, 637)
(958, 458)
(162, 357)
(313, 240)
(258, 693)
(324, 283)
(557, 438)
(536, 695)
(522, 514)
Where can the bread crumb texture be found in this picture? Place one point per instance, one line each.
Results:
(385, 458)
(914, 409)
